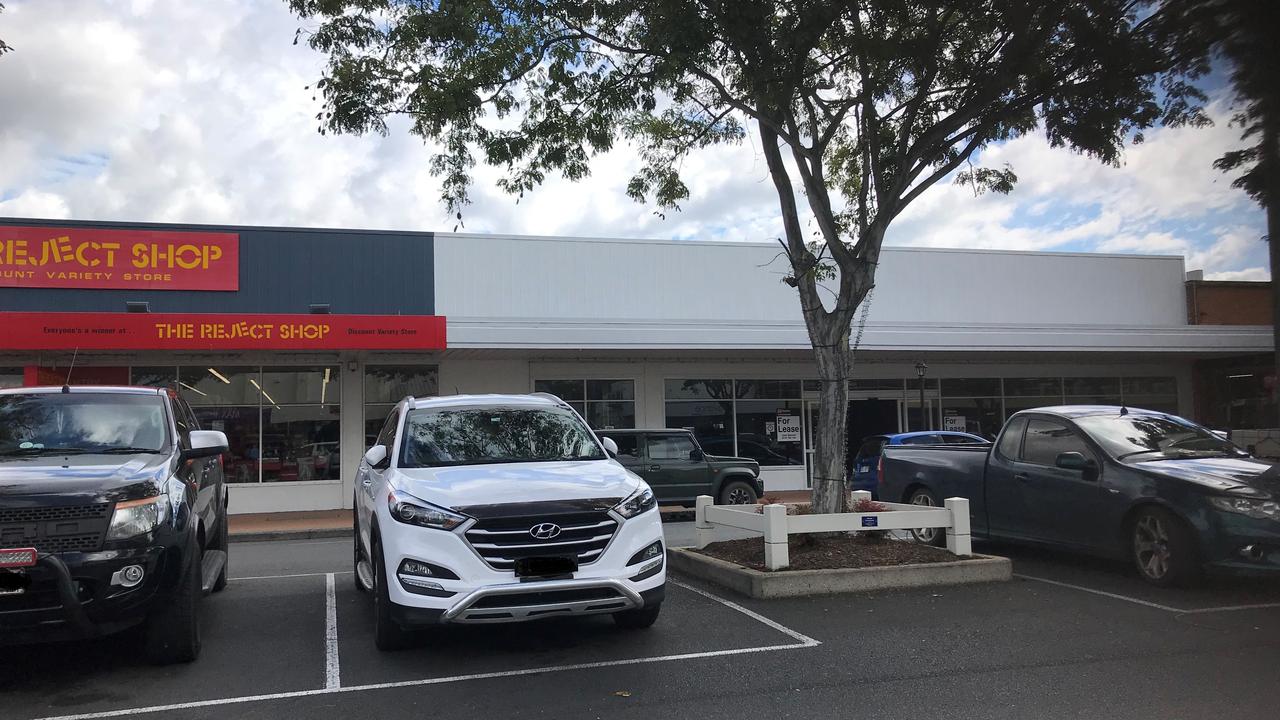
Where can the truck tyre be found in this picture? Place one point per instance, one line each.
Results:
(929, 536)
(1164, 549)
(737, 492)
(387, 633)
(638, 618)
(222, 542)
(173, 632)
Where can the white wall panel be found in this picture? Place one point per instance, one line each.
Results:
(480, 276)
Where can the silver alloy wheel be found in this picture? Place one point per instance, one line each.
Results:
(924, 535)
(1151, 545)
(740, 496)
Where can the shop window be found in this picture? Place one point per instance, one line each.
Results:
(775, 389)
(301, 386)
(1150, 386)
(220, 385)
(711, 422)
(760, 436)
(159, 377)
(604, 404)
(978, 416)
(300, 442)
(969, 388)
(1016, 404)
(871, 385)
(389, 384)
(1092, 387)
(10, 377)
(282, 423)
(386, 385)
(742, 419)
(699, 389)
(1034, 387)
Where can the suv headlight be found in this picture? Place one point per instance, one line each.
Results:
(412, 511)
(136, 517)
(1253, 507)
(641, 500)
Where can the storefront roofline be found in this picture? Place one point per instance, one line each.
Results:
(528, 333)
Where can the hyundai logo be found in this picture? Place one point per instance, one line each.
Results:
(545, 531)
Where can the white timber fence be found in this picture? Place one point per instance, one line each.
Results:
(775, 524)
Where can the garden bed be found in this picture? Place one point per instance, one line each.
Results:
(831, 553)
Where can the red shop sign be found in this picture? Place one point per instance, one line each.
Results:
(69, 257)
(199, 331)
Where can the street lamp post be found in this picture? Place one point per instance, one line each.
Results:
(921, 369)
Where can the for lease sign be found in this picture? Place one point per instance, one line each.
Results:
(71, 257)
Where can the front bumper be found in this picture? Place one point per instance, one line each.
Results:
(71, 596)
(1241, 543)
(482, 594)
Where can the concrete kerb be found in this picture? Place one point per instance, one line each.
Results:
(290, 534)
(795, 583)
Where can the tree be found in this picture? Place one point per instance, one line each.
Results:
(1244, 33)
(861, 106)
(4, 47)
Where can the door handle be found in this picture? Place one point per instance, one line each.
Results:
(367, 481)
(1021, 477)
(655, 468)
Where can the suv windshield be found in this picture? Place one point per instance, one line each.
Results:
(1156, 435)
(481, 436)
(34, 423)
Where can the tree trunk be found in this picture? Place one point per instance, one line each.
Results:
(829, 458)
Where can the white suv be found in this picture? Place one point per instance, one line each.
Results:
(501, 508)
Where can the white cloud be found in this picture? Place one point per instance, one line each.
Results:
(1253, 273)
(198, 112)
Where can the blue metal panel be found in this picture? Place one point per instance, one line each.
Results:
(282, 270)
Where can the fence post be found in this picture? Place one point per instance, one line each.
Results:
(703, 531)
(858, 495)
(775, 537)
(959, 541)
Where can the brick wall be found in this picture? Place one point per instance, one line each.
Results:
(1211, 302)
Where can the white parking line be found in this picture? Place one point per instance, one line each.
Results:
(1147, 603)
(294, 575)
(803, 641)
(332, 670)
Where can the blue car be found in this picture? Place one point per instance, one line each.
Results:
(866, 462)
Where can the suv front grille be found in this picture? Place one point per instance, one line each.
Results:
(55, 528)
(501, 541)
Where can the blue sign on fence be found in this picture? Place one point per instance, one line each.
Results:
(870, 521)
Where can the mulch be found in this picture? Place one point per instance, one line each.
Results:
(831, 553)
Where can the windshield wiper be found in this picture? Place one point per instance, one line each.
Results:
(125, 451)
(43, 451)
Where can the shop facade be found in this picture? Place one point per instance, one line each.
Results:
(299, 341)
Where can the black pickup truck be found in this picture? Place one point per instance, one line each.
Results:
(1118, 482)
(112, 515)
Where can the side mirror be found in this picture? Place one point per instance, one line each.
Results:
(205, 443)
(1073, 461)
(695, 454)
(376, 456)
(610, 446)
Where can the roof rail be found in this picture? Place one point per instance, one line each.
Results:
(556, 398)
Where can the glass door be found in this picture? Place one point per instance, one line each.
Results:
(810, 422)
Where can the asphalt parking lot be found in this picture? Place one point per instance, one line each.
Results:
(1068, 637)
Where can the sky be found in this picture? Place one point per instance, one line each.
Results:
(199, 112)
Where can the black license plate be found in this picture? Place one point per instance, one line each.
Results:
(554, 565)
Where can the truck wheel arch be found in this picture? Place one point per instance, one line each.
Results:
(1126, 523)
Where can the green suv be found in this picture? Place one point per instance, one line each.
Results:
(677, 469)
